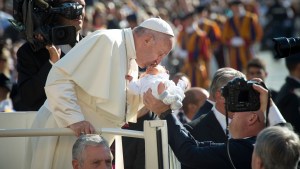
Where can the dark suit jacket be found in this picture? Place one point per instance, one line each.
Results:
(204, 109)
(33, 68)
(207, 128)
(207, 155)
(288, 102)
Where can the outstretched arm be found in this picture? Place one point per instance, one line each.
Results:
(62, 100)
(189, 152)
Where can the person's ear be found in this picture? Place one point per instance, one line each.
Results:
(253, 118)
(149, 39)
(266, 74)
(75, 164)
(219, 96)
(260, 163)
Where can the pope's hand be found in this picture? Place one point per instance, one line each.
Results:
(82, 127)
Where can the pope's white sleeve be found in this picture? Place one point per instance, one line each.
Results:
(62, 98)
(275, 117)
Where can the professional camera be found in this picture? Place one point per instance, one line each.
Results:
(39, 17)
(240, 95)
(286, 47)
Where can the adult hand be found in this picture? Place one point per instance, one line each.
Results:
(55, 53)
(153, 104)
(128, 77)
(82, 127)
(263, 97)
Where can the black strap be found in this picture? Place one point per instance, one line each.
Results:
(268, 108)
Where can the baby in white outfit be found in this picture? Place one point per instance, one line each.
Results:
(154, 75)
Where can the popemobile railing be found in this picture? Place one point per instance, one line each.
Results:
(15, 129)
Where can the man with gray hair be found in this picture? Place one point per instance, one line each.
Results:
(276, 148)
(220, 78)
(91, 151)
(87, 89)
(212, 125)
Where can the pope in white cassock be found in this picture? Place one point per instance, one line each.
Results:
(87, 88)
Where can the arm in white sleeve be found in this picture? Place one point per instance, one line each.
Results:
(275, 117)
(62, 99)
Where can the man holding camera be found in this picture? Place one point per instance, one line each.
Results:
(36, 56)
(212, 126)
(236, 153)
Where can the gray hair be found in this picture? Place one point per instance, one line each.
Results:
(222, 77)
(86, 140)
(278, 148)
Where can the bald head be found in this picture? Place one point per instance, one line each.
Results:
(195, 97)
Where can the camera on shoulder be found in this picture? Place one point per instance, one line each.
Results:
(39, 17)
(240, 96)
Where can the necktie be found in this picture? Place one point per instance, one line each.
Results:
(181, 117)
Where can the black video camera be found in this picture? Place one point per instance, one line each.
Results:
(39, 17)
(286, 47)
(240, 96)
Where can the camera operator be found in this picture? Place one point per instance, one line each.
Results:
(237, 153)
(33, 66)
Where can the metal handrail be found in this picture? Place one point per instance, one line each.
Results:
(65, 132)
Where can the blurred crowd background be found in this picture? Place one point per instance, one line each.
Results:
(210, 50)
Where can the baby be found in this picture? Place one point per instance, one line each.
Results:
(172, 94)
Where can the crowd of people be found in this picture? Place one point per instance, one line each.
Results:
(187, 50)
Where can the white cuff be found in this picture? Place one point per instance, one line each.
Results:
(275, 117)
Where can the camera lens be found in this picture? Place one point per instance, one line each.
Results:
(61, 34)
(285, 47)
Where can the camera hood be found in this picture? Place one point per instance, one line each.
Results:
(286, 47)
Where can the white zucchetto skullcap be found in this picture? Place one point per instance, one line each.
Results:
(158, 25)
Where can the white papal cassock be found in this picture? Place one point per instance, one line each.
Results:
(87, 84)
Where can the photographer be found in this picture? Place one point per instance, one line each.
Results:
(243, 129)
(34, 65)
